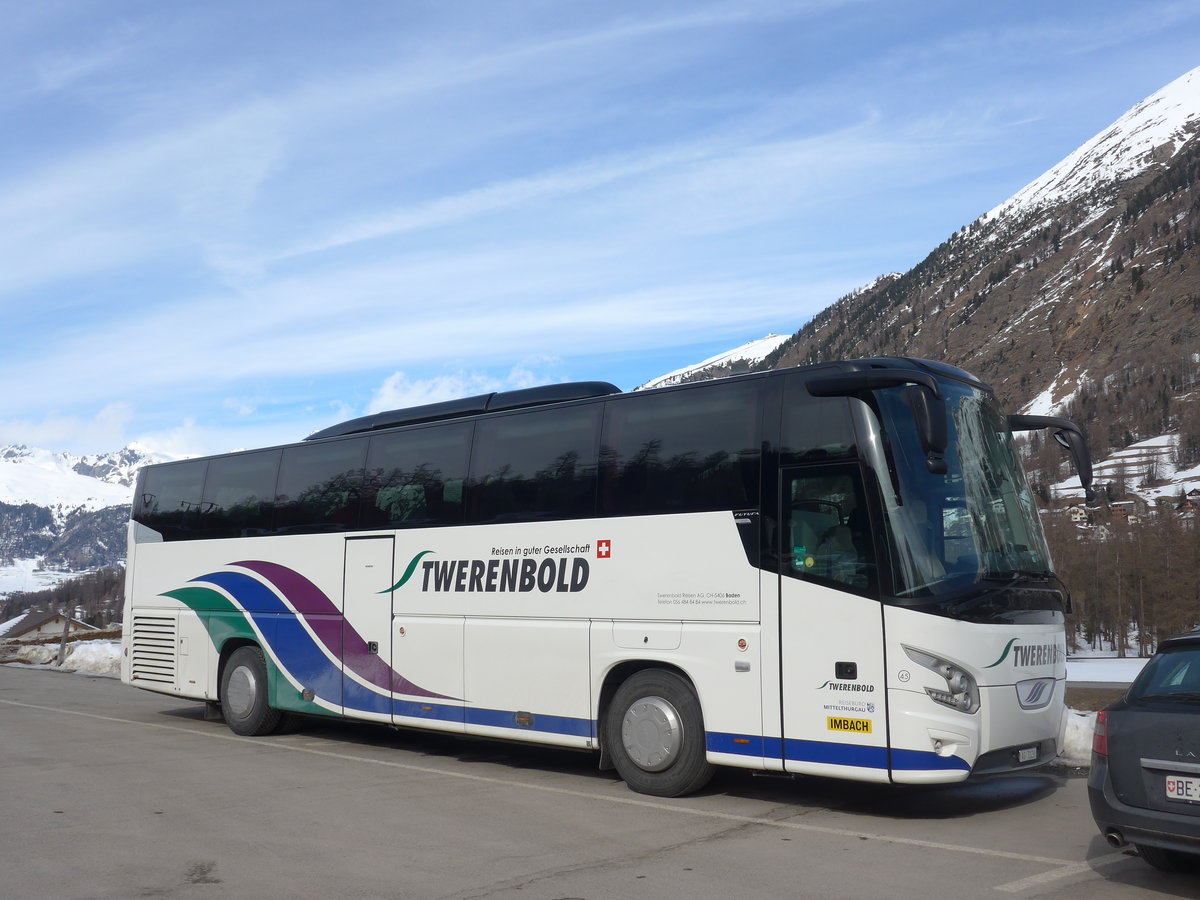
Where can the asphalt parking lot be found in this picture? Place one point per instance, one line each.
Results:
(113, 792)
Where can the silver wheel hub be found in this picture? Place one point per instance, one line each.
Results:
(241, 691)
(652, 733)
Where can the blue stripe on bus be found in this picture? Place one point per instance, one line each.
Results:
(835, 754)
(910, 760)
(738, 744)
(830, 753)
(500, 718)
(494, 718)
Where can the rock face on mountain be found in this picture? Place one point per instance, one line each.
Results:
(83, 539)
(1080, 294)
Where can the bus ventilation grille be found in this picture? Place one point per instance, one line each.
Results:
(153, 649)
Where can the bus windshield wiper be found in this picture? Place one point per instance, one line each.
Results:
(1015, 576)
(991, 584)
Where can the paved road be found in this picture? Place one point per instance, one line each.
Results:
(110, 792)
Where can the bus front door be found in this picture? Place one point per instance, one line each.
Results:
(831, 627)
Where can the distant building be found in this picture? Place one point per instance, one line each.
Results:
(1186, 511)
(1078, 514)
(39, 625)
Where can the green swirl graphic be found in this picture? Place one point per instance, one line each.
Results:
(1003, 655)
(408, 573)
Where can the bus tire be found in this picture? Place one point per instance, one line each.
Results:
(654, 730)
(244, 698)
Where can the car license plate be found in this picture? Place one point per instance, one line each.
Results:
(1027, 754)
(1180, 788)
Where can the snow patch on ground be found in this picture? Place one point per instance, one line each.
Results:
(101, 657)
(1139, 464)
(1077, 745)
(27, 576)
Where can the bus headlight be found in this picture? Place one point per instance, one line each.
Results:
(961, 693)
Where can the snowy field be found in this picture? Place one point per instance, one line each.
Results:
(103, 658)
(26, 575)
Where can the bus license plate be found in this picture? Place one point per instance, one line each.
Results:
(1027, 754)
(1180, 788)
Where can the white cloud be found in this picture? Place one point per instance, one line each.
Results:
(103, 431)
(399, 391)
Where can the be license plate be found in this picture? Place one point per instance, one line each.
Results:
(1027, 754)
(1180, 788)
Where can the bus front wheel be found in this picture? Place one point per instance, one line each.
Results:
(655, 733)
(244, 694)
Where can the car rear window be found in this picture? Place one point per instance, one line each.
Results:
(1173, 675)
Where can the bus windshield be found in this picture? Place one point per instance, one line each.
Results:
(975, 527)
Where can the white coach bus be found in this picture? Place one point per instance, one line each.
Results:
(835, 570)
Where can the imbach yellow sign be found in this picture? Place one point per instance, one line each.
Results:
(858, 726)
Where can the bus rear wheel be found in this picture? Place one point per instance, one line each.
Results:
(244, 701)
(654, 730)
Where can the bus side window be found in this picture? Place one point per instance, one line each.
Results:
(319, 486)
(828, 531)
(688, 450)
(239, 495)
(169, 499)
(535, 465)
(414, 477)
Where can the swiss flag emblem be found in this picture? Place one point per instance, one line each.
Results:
(603, 549)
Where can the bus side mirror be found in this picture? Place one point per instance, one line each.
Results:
(929, 412)
(1070, 436)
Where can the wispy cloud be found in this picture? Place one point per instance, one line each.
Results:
(399, 391)
(59, 70)
(108, 427)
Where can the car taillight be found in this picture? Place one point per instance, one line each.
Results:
(1100, 734)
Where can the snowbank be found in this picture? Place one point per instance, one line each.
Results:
(83, 657)
(1077, 746)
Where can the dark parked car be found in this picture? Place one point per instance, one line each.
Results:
(1144, 785)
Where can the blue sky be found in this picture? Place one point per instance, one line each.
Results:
(227, 225)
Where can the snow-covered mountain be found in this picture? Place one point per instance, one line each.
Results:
(732, 362)
(1151, 133)
(63, 512)
(1080, 294)
(62, 481)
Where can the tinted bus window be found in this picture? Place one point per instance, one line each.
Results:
(682, 451)
(320, 486)
(416, 477)
(536, 465)
(170, 499)
(239, 495)
(814, 428)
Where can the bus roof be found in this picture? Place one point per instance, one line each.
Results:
(498, 401)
